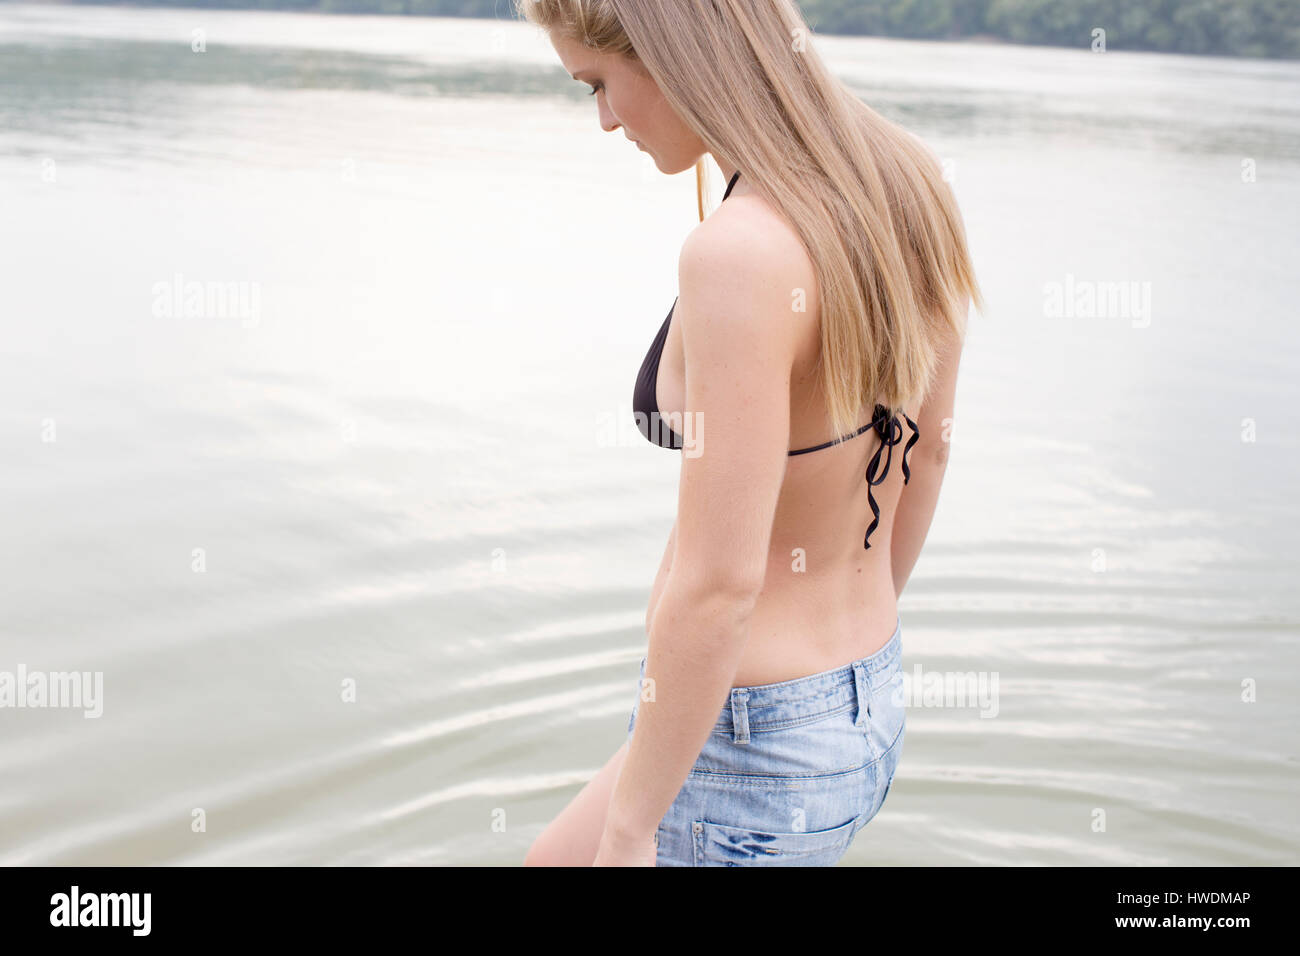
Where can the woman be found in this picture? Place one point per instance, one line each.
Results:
(825, 296)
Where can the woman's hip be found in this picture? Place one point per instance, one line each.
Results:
(791, 770)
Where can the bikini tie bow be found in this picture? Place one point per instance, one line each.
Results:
(890, 430)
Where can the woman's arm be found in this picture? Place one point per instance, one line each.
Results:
(740, 343)
(929, 462)
(665, 564)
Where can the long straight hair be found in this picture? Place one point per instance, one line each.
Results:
(867, 198)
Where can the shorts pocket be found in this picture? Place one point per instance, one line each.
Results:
(716, 844)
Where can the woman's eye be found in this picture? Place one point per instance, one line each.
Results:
(595, 90)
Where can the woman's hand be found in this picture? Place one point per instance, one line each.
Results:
(625, 849)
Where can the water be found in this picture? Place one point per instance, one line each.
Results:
(388, 462)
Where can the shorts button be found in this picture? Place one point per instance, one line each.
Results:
(697, 827)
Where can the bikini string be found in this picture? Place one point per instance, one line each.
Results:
(890, 431)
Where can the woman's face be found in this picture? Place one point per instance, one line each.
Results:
(628, 97)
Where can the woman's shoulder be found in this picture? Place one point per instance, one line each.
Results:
(742, 276)
(748, 237)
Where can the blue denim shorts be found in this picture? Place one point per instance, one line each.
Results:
(793, 770)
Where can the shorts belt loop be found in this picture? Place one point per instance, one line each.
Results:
(739, 716)
(862, 688)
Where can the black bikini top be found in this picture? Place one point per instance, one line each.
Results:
(656, 429)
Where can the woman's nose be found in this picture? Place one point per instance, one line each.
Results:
(608, 121)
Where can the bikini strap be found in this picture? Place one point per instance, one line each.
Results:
(731, 185)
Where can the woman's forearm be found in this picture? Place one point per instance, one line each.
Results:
(696, 640)
(916, 507)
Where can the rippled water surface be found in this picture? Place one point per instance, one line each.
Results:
(401, 458)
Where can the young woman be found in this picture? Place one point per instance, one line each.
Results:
(820, 307)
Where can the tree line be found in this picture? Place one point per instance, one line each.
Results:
(1253, 28)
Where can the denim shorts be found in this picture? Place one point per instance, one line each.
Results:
(792, 771)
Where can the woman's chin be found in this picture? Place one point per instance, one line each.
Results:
(672, 169)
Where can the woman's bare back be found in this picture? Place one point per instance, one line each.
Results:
(825, 600)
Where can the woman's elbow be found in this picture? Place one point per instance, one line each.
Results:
(709, 591)
(929, 457)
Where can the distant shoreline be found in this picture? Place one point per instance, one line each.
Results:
(1023, 21)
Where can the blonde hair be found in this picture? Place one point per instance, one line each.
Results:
(867, 198)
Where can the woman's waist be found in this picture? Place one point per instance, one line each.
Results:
(809, 694)
(792, 636)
